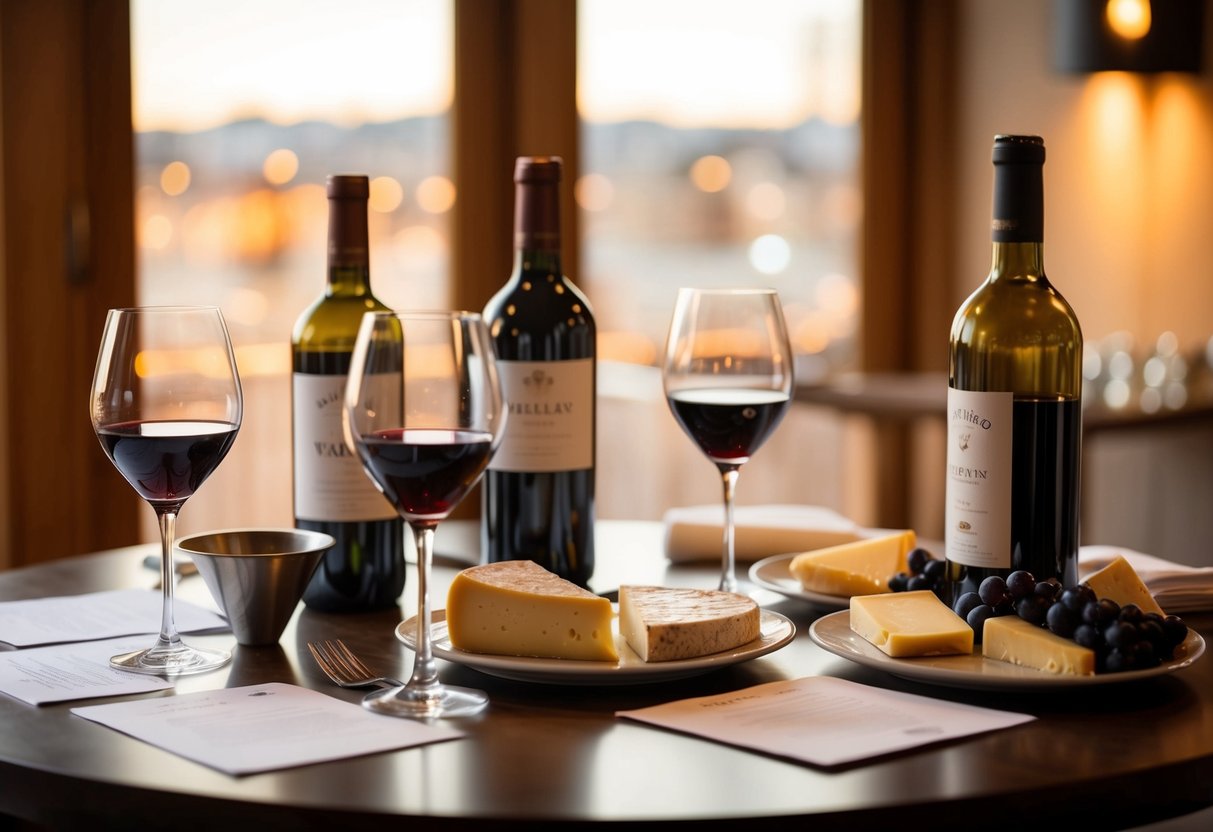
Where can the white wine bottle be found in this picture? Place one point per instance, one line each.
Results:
(539, 489)
(1014, 399)
(364, 570)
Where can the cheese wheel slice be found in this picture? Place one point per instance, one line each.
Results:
(910, 624)
(860, 568)
(518, 608)
(1118, 581)
(1009, 638)
(662, 624)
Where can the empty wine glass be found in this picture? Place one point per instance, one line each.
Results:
(424, 412)
(166, 406)
(728, 381)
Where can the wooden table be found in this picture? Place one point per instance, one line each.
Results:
(1105, 759)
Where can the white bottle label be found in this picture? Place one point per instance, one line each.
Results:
(330, 484)
(977, 530)
(551, 416)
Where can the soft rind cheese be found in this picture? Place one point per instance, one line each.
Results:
(860, 568)
(1118, 581)
(906, 624)
(518, 608)
(1009, 638)
(664, 624)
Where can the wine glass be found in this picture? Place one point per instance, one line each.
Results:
(424, 412)
(166, 406)
(728, 380)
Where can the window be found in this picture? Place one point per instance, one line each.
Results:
(240, 112)
(720, 147)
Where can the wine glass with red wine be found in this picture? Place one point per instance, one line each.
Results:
(166, 406)
(728, 381)
(424, 412)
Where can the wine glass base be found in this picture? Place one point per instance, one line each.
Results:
(444, 701)
(171, 660)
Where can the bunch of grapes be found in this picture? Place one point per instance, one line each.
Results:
(925, 573)
(1123, 638)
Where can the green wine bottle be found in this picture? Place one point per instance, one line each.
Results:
(332, 494)
(1014, 399)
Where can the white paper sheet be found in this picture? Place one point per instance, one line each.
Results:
(97, 615)
(74, 671)
(262, 727)
(823, 720)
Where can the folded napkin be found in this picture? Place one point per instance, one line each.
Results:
(1177, 588)
(695, 532)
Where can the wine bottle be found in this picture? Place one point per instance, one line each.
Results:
(1014, 399)
(538, 494)
(364, 570)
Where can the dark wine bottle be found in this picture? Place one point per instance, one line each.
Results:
(365, 568)
(539, 489)
(1014, 399)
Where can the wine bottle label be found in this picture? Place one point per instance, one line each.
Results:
(550, 426)
(330, 484)
(977, 529)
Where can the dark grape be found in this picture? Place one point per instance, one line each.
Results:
(1020, 584)
(977, 619)
(1120, 634)
(1061, 620)
(1175, 629)
(1033, 609)
(1152, 632)
(898, 582)
(993, 591)
(965, 603)
(1132, 614)
(1142, 655)
(1085, 635)
(1078, 597)
(1048, 589)
(1101, 613)
(917, 560)
(1115, 661)
(934, 570)
(917, 582)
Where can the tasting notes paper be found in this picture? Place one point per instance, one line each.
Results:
(262, 727)
(823, 720)
(96, 615)
(73, 671)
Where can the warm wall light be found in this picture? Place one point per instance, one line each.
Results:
(1128, 35)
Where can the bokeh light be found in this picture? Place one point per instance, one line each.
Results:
(175, 178)
(435, 194)
(386, 194)
(280, 166)
(711, 174)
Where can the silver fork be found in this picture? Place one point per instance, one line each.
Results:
(345, 669)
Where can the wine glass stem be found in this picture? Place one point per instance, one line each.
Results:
(168, 627)
(425, 673)
(728, 581)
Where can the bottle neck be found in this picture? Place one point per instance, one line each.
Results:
(537, 228)
(1018, 260)
(349, 265)
(1017, 226)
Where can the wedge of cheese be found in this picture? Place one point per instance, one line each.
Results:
(1008, 638)
(662, 624)
(1118, 581)
(518, 608)
(910, 624)
(860, 568)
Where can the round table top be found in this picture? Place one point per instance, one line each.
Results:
(1125, 753)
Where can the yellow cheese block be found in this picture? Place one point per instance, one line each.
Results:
(518, 608)
(1119, 582)
(662, 624)
(910, 624)
(1008, 638)
(860, 568)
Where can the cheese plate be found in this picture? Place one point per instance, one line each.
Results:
(775, 631)
(833, 634)
(773, 573)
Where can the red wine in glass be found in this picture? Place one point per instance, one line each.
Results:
(728, 424)
(425, 472)
(166, 461)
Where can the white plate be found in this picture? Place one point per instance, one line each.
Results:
(833, 633)
(772, 573)
(775, 631)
